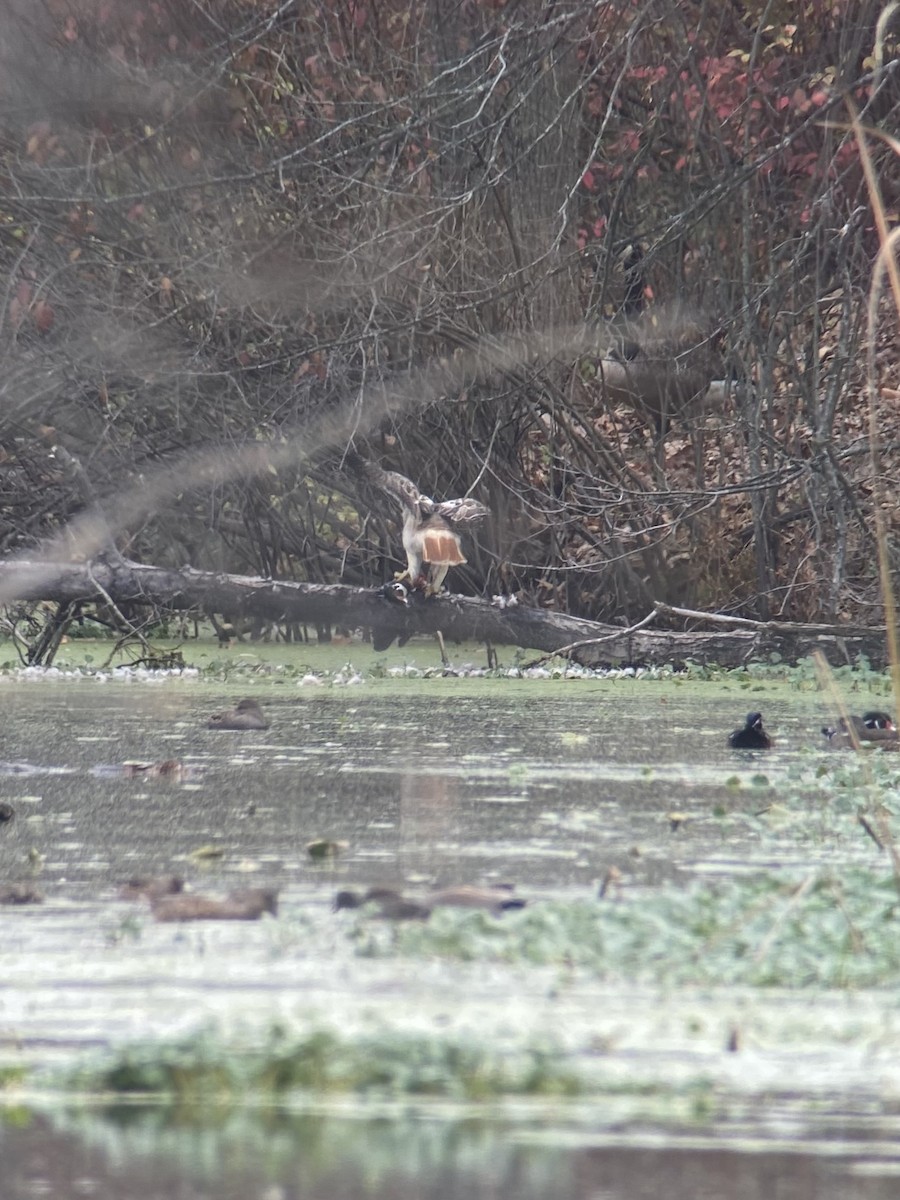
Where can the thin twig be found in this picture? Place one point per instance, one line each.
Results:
(609, 637)
(668, 610)
(870, 829)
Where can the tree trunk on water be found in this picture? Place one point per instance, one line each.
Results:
(457, 617)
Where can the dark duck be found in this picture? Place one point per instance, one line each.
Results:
(752, 736)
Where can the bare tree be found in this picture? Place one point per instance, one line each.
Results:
(270, 229)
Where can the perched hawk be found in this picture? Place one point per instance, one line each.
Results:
(429, 526)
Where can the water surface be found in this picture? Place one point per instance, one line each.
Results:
(432, 782)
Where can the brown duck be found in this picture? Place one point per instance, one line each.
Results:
(493, 899)
(245, 904)
(246, 714)
(872, 728)
(20, 893)
(394, 906)
(391, 904)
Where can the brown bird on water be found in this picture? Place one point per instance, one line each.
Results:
(20, 893)
(391, 905)
(246, 904)
(874, 728)
(246, 714)
(465, 895)
(394, 906)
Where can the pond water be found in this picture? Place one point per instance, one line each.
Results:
(142, 1154)
(695, 1089)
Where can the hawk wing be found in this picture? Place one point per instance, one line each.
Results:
(464, 511)
(392, 483)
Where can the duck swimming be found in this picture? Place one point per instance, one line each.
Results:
(246, 714)
(493, 899)
(394, 906)
(876, 719)
(869, 729)
(20, 893)
(752, 736)
(245, 904)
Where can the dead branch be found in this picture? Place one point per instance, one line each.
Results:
(459, 618)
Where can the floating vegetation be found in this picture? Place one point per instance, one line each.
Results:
(207, 853)
(302, 664)
(325, 850)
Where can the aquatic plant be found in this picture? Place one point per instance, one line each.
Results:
(207, 1068)
(824, 929)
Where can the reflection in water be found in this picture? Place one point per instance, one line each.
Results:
(428, 819)
(150, 1154)
(143, 1154)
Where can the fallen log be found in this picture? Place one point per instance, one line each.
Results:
(123, 583)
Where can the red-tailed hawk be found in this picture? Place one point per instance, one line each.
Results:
(429, 526)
